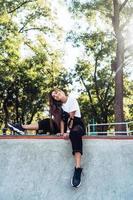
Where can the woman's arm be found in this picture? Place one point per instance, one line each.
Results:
(65, 135)
(70, 120)
(72, 114)
(62, 127)
(70, 124)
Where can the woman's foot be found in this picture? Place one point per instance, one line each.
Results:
(17, 127)
(76, 180)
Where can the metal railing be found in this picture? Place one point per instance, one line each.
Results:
(110, 129)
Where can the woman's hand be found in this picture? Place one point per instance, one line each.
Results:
(65, 135)
(59, 134)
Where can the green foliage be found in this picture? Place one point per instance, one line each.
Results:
(95, 74)
(128, 99)
(90, 8)
(26, 82)
(98, 93)
(102, 52)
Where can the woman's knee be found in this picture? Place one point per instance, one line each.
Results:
(75, 134)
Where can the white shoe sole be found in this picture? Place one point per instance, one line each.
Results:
(15, 129)
(73, 185)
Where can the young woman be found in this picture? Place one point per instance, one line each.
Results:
(66, 119)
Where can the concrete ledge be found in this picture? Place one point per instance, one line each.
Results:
(41, 169)
(61, 137)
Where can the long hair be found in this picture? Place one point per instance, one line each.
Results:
(55, 109)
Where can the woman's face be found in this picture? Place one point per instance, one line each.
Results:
(58, 95)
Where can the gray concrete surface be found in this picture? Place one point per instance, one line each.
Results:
(41, 170)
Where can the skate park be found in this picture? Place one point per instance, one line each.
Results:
(40, 167)
(85, 49)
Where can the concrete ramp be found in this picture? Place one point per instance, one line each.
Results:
(41, 170)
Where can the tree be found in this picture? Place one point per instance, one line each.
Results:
(94, 73)
(25, 82)
(119, 14)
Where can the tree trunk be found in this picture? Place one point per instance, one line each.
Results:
(17, 106)
(6, 112)
(118, 105)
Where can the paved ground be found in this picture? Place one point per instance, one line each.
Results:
(41, 170)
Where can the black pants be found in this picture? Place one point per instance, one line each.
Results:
(48, 125)
(76, 134)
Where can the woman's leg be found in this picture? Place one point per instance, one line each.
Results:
(77, 159)
(31, 126)
(42, 125)
(76, 140)
(77, 146)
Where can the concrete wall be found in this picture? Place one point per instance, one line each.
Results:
(42, 169)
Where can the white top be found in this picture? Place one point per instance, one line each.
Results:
(72, 105)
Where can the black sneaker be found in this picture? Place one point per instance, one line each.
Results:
(17, 127)
(76, 180)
